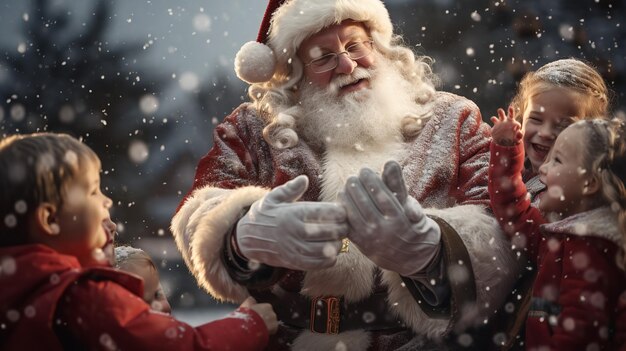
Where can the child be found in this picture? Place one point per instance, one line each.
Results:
(576, 291)
(58, 290)
(550, 99)
(137, 261)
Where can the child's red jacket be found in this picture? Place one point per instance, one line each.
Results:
(49, 302)
(576, 302)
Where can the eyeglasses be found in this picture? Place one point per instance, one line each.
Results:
(330, 61)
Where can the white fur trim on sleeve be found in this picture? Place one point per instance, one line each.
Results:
(199, 229)
(494, 264)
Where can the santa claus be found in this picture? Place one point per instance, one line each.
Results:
(288, 206)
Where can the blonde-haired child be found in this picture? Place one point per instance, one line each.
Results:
(58, 288)
(551, 98)
(138, 262)
(579, 251)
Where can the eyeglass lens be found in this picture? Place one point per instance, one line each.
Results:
(330, 61)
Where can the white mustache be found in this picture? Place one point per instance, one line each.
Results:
(347, 79)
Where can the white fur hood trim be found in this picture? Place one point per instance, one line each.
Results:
(601, 222)
(199, 229)
(494, 264)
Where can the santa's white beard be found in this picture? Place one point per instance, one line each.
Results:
(365, 117)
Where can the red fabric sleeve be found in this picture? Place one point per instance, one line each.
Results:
(589, 293)
(473, 156)
(233, 160)
(509, 198)
(104, 315)
(229, 164)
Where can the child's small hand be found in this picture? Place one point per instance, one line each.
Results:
(264, 310)
(506, 130)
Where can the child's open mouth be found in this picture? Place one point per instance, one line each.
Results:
(541, 149)
(109, 246)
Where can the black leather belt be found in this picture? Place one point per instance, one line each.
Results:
(330, 314)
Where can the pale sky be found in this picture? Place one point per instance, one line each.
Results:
(181, 35)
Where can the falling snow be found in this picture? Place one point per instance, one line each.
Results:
(148, 90)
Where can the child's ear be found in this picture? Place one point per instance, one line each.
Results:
(592, 185)
(46, 219)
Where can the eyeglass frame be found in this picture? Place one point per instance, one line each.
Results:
(369, 44)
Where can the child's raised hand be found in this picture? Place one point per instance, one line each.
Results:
(264, 310)
(506, 130)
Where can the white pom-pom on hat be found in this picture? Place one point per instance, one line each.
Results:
(255, 62)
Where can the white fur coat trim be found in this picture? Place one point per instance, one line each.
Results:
(600, 222)
(352, 276)
(494, 265)
(199, 229)
(339, 165)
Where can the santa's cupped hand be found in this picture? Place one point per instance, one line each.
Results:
(281, 232)
(388, 225)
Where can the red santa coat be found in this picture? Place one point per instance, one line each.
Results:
(49, 302)
(445, 168)
(576, 291)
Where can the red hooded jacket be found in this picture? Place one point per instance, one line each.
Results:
(48, 301)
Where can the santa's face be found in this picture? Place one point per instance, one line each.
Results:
(361, 118)
(337, 51)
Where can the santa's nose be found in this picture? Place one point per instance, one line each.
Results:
(345, 65)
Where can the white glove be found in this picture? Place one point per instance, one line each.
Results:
(280, 232)
(390, 229)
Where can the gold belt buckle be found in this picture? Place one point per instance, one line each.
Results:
(345, 245)
(333, 316)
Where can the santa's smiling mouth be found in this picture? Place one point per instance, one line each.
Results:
(354, 86)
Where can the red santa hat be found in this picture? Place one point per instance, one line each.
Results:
(287, 23)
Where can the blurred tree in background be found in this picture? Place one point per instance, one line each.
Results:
(74, 82)
(483, 48)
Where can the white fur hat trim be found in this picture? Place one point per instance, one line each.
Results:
(297, 20)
